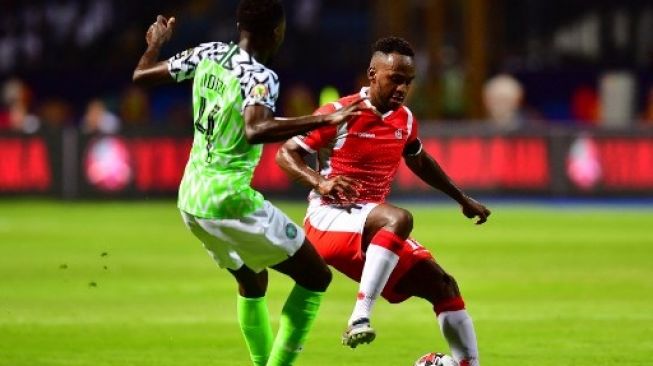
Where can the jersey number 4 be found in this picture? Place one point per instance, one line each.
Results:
(207, 130)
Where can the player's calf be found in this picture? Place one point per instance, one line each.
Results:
(386, 228)
(429, 281)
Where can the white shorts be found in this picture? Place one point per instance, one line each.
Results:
(259, 240)
(336, 218)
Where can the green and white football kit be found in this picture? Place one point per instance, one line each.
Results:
(233, 221)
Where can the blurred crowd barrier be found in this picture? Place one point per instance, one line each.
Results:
(552, 162)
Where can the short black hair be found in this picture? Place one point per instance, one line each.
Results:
(389, 45)
(259, 16)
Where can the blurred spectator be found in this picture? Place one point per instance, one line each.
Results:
(96, 20)
(56, 113)
(585, 105)
(98, 119)
(134, 107)
(502, 96)
(15, 91)
(15, 115)
(647, 114)
(299, 101)
(22, 121)
(453, 84)
(307, 15)
(617, 95)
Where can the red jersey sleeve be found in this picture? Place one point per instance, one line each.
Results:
(319, 137)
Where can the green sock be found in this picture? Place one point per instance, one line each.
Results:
(296, 321)
(254, 321)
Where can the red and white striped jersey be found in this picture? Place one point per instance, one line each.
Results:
(367, 148)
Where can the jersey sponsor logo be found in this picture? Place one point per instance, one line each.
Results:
(259, 92)
(291, 231)
(366, 135)
(398, 134)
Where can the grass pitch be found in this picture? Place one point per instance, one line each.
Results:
(125, 284)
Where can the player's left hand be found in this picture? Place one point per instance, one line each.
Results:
(344, 114)
(472, 208)
(340, 188)
(160, 31)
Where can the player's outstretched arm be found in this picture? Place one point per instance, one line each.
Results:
(261, 126)
(290, 158)
(150, 70)
(425, 167)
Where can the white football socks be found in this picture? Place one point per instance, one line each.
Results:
(379, 263)
(458, 329)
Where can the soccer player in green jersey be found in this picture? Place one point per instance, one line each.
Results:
(234, 97)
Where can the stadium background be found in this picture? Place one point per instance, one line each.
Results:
(544, 109)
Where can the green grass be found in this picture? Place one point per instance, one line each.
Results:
(126, 284)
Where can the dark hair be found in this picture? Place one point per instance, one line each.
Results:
(393, 44)
(259, 16)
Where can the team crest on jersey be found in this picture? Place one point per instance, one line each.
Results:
(259, 92)
(291, 231)
(398, 134)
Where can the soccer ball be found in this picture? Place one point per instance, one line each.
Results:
(436, 359)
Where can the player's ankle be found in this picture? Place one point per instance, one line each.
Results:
(358, 321)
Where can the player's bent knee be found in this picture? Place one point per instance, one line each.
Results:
(316, 280)
(323, 279)
(449, 285)
(401, 221)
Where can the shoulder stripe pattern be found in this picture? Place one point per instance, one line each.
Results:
(303, 145)
(341, 131)
(182, 65)
(249, 72)
(409, 123)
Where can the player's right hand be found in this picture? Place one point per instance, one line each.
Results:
(340, 188)
(343, 114)
(160, 31)
(472, 208)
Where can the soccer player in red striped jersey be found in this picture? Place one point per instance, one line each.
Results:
(348, 219)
